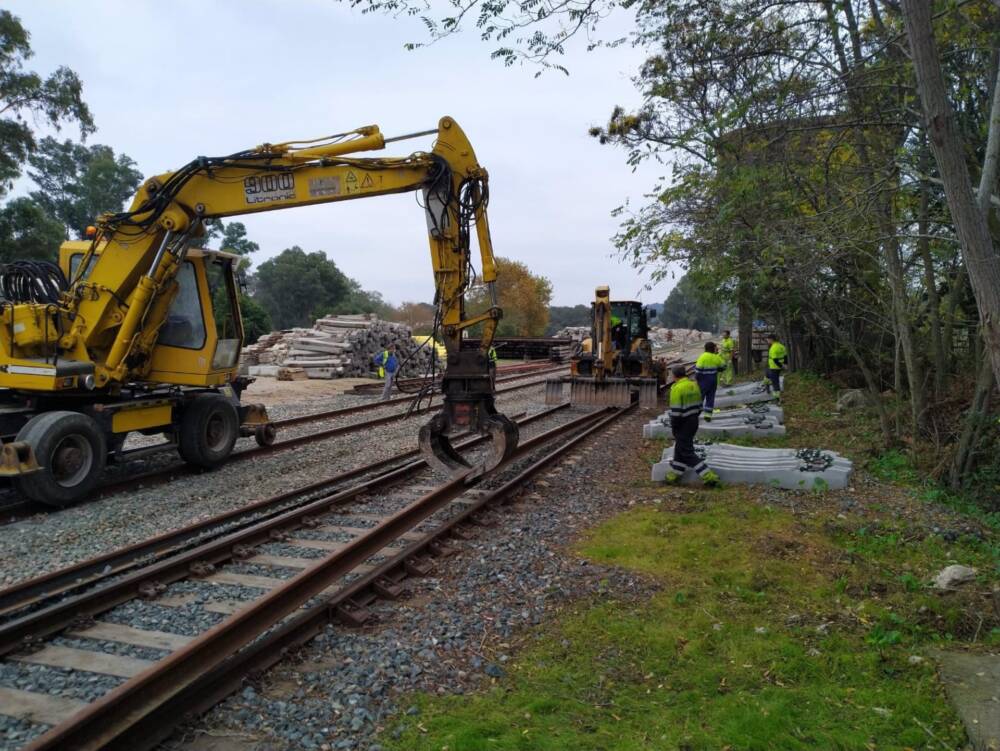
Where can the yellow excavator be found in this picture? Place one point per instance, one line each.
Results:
(139, 329)
(616, 361)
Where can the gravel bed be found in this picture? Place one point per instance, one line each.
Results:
(15, 734)
(262, 569)
(110, 647)
(453, 635)
(43, 679)
(51, 541)
(206, 592)
(187, 620)
(289, 551)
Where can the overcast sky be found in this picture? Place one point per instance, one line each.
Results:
(168, 81)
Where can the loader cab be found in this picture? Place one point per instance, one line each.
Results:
(200, 339)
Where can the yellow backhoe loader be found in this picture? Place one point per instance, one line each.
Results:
(138, 330)
(615, 362)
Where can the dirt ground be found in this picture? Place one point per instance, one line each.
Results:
(272, 392)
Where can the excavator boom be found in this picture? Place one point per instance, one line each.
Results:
(103, 325)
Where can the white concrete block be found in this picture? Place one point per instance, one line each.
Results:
(793, 469)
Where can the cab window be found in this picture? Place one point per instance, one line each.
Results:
(185, 326)
(222, 289)
(74, 264)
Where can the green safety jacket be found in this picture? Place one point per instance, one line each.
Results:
(709, 363)
(777, 356)
(493, 355)
(728, 347)
(685, 398)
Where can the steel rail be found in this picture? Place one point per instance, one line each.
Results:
(215, 685)
(86, 572)
(24, 509)
(101, 722)
(28, 628)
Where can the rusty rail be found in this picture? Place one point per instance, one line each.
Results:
(110, 722)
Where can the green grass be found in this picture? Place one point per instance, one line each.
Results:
(766, 632)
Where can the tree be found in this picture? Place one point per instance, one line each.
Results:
(561, 316)
(523, 296)
(686, 308)
(419, 316)
(296, 287)
(970, 216)
(256, 321)
(79, 183)
(27, 99)
(27, 231)
(358, 300)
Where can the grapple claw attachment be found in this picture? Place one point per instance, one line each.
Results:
(437, 449)
(439, 453)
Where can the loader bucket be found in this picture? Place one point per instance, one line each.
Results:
(17, 458)
(617, 393)
(647, 393)
(554, 391)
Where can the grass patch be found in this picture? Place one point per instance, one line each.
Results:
(769, 631)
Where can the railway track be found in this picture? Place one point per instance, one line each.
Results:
(17, 509)
(245, 596)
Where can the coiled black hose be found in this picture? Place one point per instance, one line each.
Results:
(32, 281)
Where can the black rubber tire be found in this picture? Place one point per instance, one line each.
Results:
(209, 428)
(72, 451)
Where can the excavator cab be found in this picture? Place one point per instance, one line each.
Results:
(201, 335)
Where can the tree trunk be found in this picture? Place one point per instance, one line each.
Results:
(963, 462)
(745, 334)
(971, 227)
(930, 283)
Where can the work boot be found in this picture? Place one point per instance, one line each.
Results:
(711, 479)
(707, 417)
(672, 478)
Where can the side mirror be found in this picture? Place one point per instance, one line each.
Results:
(650, 314)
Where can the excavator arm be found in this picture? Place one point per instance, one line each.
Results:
(122, 291)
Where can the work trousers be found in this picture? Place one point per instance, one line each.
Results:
(684, 430)
(708, 383)
(389, 378)
(727, 375)
(774, 376)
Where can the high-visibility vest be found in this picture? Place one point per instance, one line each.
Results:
(709, 364)
(728, 346)
(493, 355)
(685, 398)
(777, 356)
(382, 363)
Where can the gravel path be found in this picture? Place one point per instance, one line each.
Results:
(453, 634)
(51, 541)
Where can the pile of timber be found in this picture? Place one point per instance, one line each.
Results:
(337, 346)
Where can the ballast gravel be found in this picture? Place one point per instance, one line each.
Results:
(453, 634)
(51, 541)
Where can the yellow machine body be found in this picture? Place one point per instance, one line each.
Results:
(135, 310)
(619, 361)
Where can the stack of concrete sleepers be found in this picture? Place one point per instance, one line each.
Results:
(761, 419)
(793, 469)
(337, 346)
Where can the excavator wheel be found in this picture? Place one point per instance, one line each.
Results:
(72, 451)
(208, 431)
(439, 453)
